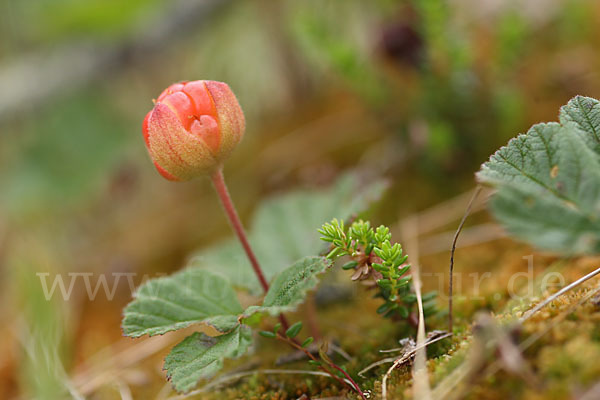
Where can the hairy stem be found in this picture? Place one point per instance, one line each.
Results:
(219, 183)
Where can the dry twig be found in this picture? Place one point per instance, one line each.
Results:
(460, 226)
(564, 290)
(409, 351)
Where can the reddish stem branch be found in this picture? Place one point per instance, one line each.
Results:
(353, 385)
(236, 224)
(219, 183)
(356, 387)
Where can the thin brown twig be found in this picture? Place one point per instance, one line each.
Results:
(550, 299)
(387, 375)
(450, 287)
(421, 387)
(409, 352)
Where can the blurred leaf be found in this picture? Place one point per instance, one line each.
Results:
(188, 297)
(199, 356)
(294, 330)
(70, 149)
(332, 39)
(548, 181)
(290, 286)
(284, 230)
(56, 20)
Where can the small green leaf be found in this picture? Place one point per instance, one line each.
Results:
(289, 287)
(410, 298)
(429, 296)
(400, 259)
(277, 327)
(429, 309)
(403, 311)
(403, 270)
(349, 265)
(294, 330)
(384, 283)
(307, 341)
(315, 363)
(188, 297)
(335, 253)
(385, 307)
(378, 267)
(267, 334)
(199, 356)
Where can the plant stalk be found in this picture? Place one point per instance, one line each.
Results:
(349, 381)
(451, 272)
(219, 183)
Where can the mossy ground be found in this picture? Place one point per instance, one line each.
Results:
(562, 353)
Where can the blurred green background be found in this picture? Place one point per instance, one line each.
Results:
(419, 91)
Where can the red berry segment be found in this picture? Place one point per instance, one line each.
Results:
(207, 129)
(176, 87)
(182, 106)
(203, 103)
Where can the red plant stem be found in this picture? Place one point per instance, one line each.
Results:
(219, 183)
(356, 387)
(297, 346)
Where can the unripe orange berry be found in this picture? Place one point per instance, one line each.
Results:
(193, 127)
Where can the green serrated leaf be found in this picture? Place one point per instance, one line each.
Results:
(199, 356)
(583, 114)
(289, 287)
(283, 230)
(188, 297)
(548, 181)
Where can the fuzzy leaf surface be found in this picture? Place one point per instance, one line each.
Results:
(548, 181)
(200, 356)
(188, 297)
(290, 286)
